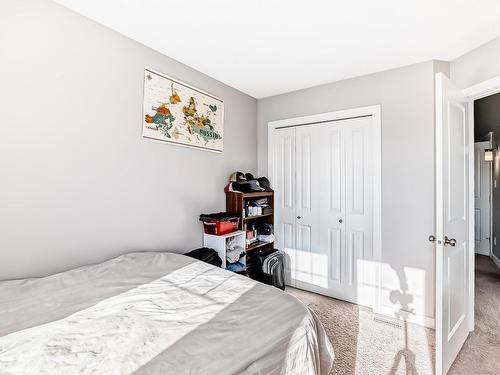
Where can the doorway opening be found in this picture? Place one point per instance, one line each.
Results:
(486, 211)
(486, 176)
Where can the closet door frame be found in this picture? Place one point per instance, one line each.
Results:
(371, 111)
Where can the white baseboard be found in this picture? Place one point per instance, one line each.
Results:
(370, 303)
(495, 260)
(367, 302)
(412, 318)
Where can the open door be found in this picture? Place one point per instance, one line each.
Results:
(452, 218)
(482, 199)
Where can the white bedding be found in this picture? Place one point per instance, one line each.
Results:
(156, 313)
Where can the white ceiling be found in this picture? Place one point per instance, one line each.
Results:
(269, 47)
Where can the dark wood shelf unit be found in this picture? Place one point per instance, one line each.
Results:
(257, 194)
(248, 218)
(257, 245)
(235, 203)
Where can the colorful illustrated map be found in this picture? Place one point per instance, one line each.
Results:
(177, 113)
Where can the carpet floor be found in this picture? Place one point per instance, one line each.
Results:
(481, 352)
(367, 343)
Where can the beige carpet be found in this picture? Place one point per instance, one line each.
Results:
(481, 352)
(363, 345)
(366, 345)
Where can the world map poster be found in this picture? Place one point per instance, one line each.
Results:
(175, 112)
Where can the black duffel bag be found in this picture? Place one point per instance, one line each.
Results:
(206, 255)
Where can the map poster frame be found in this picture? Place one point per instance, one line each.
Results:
(180, 114)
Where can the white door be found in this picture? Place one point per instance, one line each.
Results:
(482, 199)
(333, 209)
(359, 211)
(452, 169)
(297, 201)
(307, 249)
(332, 214)
(284, 197)
(346, 208)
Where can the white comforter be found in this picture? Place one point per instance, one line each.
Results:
(156, 313)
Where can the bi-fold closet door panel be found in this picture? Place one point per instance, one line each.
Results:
(296, 155)
(332, 206)
(284, 199)
(359, 281)
(309, 262)
(346, 212)
(324, 217)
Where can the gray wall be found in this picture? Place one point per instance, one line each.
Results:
(78, 183)
(406, 96)
(487, 119)
(478, 65)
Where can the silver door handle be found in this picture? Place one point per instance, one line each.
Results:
(449, 241)
(432, 238)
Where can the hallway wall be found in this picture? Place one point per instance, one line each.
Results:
(478, 65)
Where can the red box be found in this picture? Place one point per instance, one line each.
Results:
(220, 227)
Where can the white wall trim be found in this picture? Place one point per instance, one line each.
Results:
(324, 117)
(477, 91)
(438, 292)
(490, 200)
(395, 313)
(471, 200)
(482, 89)
(375, 112)
(495, 260)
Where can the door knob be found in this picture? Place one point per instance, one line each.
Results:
(298, 217)
(449, 241)
(432, 238)
(340, 220)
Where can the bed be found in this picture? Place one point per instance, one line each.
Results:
(156, 313)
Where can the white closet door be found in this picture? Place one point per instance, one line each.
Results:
(359, 281)
(346, 210)
(284, 199)
(309, 263)
(324, 207)
(333, 206)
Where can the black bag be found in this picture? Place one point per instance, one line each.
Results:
(219, 216)
(269, 268)
(206, 255)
